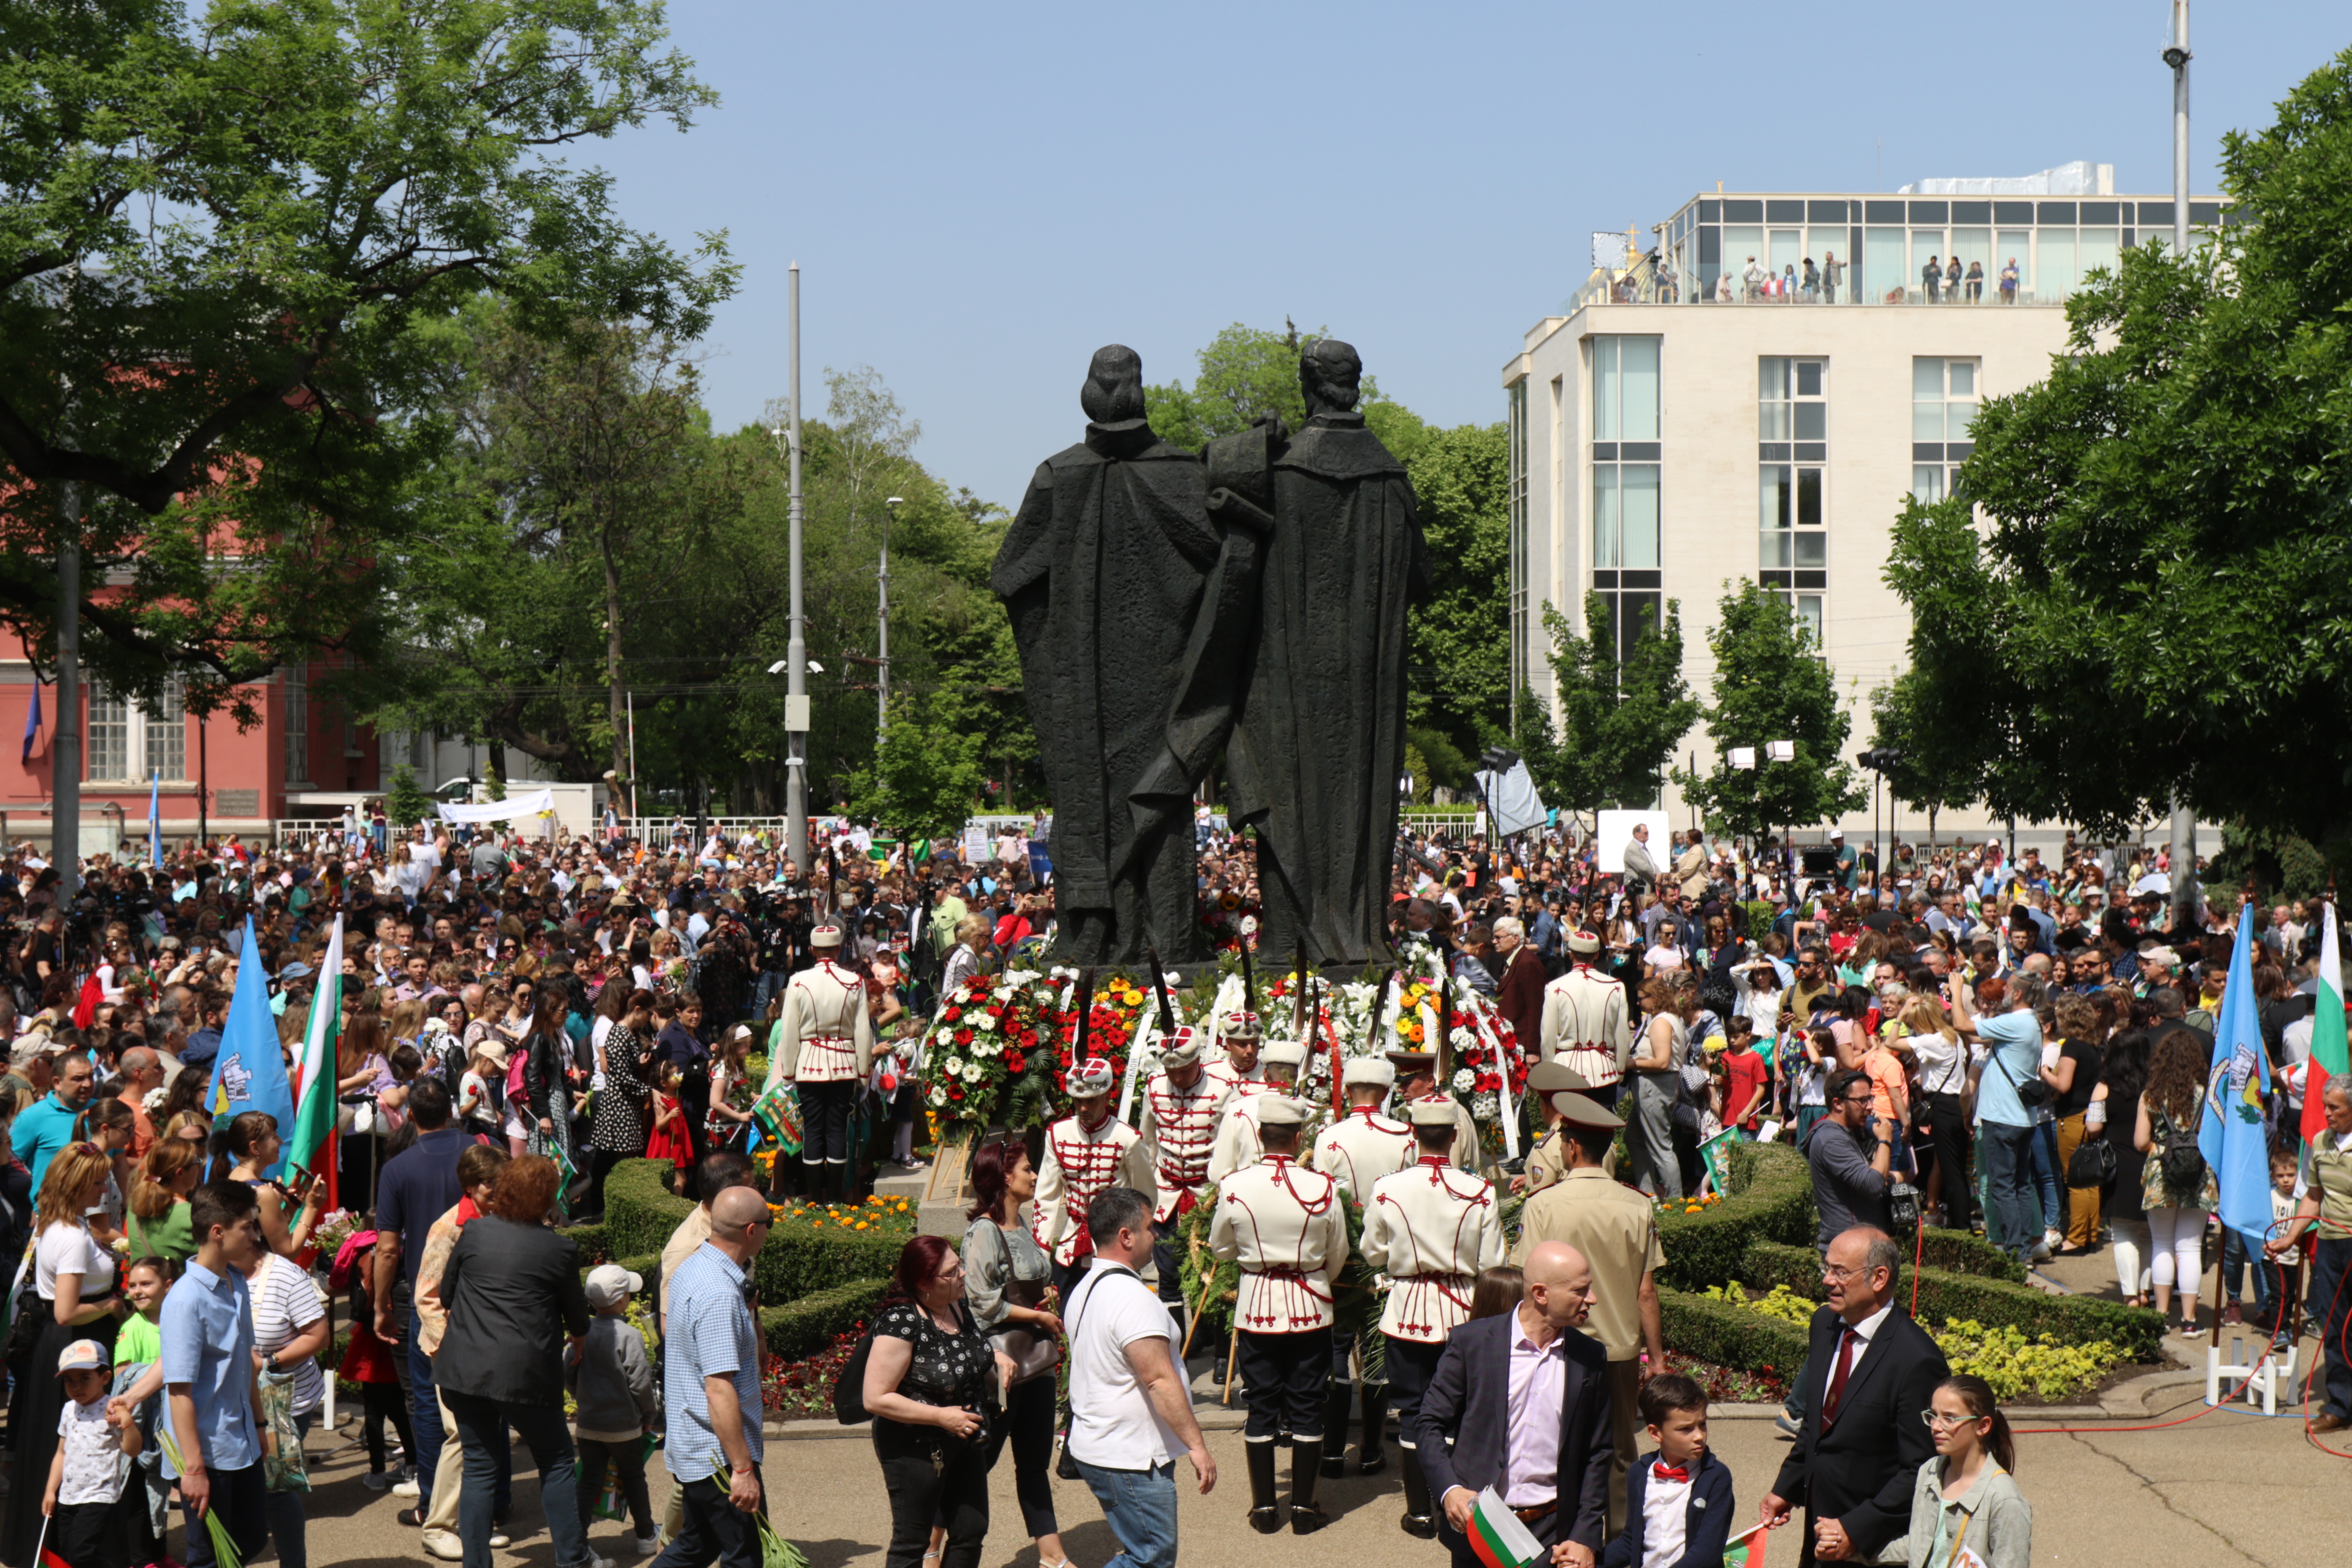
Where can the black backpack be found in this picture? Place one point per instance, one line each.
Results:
(849, 1389)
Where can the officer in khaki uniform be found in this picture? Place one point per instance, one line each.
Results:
(1237, 1126)
(1546, 1161)
(825, 1048)
(1616, 1229)
(1586, 1020)
(1430, 1229)
(1286, 1227)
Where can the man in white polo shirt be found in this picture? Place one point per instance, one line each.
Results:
(1130, 1411)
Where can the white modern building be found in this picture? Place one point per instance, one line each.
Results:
(1683, 427)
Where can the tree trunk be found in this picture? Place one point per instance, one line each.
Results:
(613, 695)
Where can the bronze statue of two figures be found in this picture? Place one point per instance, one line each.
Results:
(1249, 599)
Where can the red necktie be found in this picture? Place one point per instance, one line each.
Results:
(1667, 1472)
(1836, 1394)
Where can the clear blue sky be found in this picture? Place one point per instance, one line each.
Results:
(980, 197)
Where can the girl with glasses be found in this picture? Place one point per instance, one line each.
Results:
(1966, 1507)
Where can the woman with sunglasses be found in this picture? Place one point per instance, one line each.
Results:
(929, 1388)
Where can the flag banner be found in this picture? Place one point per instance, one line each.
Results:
(1499, 1538)
(32, 726)
(2230, 1134)
(250, 1072)
(314, 1113)
(1746, 1550)
(2328, 1050)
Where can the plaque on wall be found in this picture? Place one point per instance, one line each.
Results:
(236, 803)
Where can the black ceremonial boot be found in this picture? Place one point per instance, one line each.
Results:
(1417, 1520)
(1371, 1456)
(1335, 1430)
(1264, 1517)
(1306, 1516)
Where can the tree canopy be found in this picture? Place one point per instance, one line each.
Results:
(2141, 588)
(1771, 683)
(1620, 722)
(227, 235)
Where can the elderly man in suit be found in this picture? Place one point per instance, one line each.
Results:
(1869, 1374)
(1521, 997)
(1553, 1473)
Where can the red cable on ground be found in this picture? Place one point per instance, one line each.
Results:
(2232, 1396)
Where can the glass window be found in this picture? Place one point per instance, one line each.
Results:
(2016, 245)
(2054, 276)
(1788, 250)
(1608, 521)
(166, 731)
(1928, 481)
(1963, 377)
(1813, 548)
(1809, 497)
(1883, 269)
(1624, 389)
(1974, 248)
(109, 741)
(1639, 502)
(1927, 245)
(1944, 405)
(1773, 509)
(2097, 247)
(1813, 422)
(1739, 245)
(1809, 612)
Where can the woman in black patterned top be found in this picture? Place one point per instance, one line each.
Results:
(620, 1131)
(928, 1385)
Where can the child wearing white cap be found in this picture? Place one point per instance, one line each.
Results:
(85, 1529)
(612, 1385)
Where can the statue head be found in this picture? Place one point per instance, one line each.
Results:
(1114, 388)
(1330, 376)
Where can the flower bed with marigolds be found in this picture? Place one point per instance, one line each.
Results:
(2014, 1363)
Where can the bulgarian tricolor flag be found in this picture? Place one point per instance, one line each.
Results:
(1498, 1536)
(314, 1089)
(2328, 1054)
(1746, 1550)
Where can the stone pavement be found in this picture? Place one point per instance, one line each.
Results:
(2228, 1488)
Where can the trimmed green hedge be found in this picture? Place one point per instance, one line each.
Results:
(1731, 1336)
(1772, 1200)
(1959, 1252)
(812, 1323)
(594, 1241)
(799, 1259)
(1995, 1303)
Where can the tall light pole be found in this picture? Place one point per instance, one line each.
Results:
(65, 744)
(796, 703)
(2176, 54)
(890, 510)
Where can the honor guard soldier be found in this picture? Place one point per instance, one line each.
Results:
(1418, 1069)
(1086, 1151)
(1237, 1133)
(827, 1049)
(1356, 1152)
(1181, 1102)
(1586, 1022)
(1617, 1230)
(1364, 1145)
(1286, 1227)
(1241, 1036)
(1430, 1229)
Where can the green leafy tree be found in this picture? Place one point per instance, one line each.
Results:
(1940, 767)
(1247, 373)
(925, 779)
(1619, 721)
(1771, 683)
(1458, 640)
(405, 804)
(232, 235)
(2142, 588)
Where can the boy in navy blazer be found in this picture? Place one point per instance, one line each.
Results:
(1678, 1499)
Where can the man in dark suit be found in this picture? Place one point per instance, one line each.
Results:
(1869, 1374)
(1520, 998)
(1487, 1417)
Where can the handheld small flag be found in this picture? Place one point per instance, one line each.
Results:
(1498, 1536)
(2329, 1056)
(32, 725)
(1746, 1550)
(2230, 1134)
(155, 821)
(313, 1126)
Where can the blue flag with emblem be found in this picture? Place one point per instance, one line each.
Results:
(2230, 1135)
(250, 1072)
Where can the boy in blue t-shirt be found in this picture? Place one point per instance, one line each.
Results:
(214, 1440)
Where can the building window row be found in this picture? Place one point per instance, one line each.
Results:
(1945, 398)
(129, 741)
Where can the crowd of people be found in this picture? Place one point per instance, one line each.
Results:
(519, 1015)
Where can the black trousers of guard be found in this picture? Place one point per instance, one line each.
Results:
(1411, 1365)
(1283, 1383)
(826, 1110)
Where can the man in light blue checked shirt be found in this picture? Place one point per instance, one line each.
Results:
(712, 1395)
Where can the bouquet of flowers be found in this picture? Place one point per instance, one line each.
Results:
(1484, 1048)
(1228, 921)
(986, 1036)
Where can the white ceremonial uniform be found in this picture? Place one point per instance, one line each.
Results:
(1363, 1148)
(1180, 1136)
(1430, 1229)
(828, 1035)
(1586, 1025)
(1232, 1078)
(1079, 1164)
(1285, 1228)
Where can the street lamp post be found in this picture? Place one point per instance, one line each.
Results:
(882, 613)
(796, 703)
(1878, 759)
(2176, 56)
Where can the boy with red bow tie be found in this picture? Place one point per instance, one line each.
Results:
(1678, 1499)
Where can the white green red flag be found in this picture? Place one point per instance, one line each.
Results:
(2329, 1057)
(314, 1087)
(1499, 1538)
